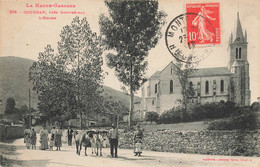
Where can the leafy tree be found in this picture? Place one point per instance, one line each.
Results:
(131, 30)
(80, 51)
(183, 71)
(69, 82)
(115, 109)
(53, 85)
(152, 116)
(10, 106)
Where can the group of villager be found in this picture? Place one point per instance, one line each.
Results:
(86, 139)
(46, 142)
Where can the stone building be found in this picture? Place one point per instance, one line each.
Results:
(162, 90)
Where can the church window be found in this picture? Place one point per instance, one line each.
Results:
(239, 53)
(222, 85)
(236, 53)
(191, 84)
(207, 87)
(155, 88)
(153, 102)
(214, 85)
(198, 85)
(171, 86)
(103, 120)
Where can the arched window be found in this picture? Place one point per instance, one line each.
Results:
(171, 86)
(239, 53)
(190, 84)
(214, 85)
(236, 53)
(222, 85)
(152, 102)
(207, 87)
(155, 88)
(198, 85)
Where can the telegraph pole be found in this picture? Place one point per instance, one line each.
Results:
(30, 116)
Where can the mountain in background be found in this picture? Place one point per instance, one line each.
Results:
(14, 82)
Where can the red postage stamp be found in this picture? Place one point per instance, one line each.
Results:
(203, 25)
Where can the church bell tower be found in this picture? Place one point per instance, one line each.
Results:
(239, 67)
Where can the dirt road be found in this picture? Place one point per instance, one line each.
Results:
(15, 154)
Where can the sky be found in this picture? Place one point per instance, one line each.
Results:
(25, 35)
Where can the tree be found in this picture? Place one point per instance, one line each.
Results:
(80, 51)
(69, 82)
(10, 106)
(183, 69)
(131, 30)
(152, 116)
(54, 86)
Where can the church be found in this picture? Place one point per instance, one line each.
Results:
(162, 90)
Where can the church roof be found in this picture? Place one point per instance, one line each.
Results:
(235, 64)
(239, 32)
(215, 71)
(156, 75)
(202, 72)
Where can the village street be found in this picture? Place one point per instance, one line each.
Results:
(18, 155)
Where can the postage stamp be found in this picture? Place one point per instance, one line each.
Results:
(178, 43)
(204, 27)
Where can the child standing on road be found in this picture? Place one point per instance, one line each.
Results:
(51, 143)
(138, 147)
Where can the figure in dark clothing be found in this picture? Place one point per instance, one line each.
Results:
(113, 139)
(70, 133)
(33, 139)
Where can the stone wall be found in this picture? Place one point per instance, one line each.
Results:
(11, 132)
(198, 142)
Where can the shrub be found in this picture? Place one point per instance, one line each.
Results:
(198, 112)
(255, 106)
(243, 119)
(174, 115)
(152, 116)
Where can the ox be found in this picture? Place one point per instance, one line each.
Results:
(99, 139)
(83, 138)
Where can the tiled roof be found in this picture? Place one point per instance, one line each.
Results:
(210, 72)
(215, 71)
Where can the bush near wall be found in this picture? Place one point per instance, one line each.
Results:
(11, 132)
(244, 120)
(244, 143)
(199, 112)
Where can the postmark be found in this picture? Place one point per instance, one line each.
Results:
(178, 44)
(199, 27)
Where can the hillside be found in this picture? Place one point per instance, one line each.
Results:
(14, 82)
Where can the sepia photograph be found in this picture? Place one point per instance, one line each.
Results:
(133, 83)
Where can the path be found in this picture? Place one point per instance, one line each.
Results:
(18, 155)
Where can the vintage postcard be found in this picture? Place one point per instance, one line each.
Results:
(130, 83)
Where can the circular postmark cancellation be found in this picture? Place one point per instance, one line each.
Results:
(189, 37)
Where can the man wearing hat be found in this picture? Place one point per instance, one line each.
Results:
(113, 139)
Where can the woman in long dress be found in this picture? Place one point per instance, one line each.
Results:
(27, 137)
(58, 135)
(44, 138)
(33, 139)
(138, 137)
